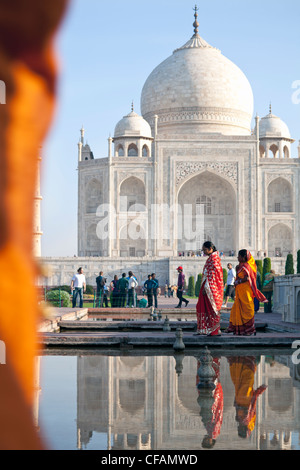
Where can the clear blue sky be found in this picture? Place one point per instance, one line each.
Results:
(107, 50)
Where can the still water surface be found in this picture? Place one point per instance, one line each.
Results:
(138, 400)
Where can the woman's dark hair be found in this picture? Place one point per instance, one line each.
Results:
(209, 245)
(243, 254)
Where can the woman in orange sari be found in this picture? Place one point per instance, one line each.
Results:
(242, 313)
(211, 293)
(242, 372)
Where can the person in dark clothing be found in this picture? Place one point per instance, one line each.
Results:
(122, 289)
(148, 288)
(114, 292)
(100, 281)
(155, 286)
(180, 286)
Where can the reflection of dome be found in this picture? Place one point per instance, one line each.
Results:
(198, 89)
(132, 125)
(273, 126)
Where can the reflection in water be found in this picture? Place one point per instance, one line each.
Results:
(242, 371)
(210, 401)
(135, 401)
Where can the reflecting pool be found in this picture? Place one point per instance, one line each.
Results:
(156, 401)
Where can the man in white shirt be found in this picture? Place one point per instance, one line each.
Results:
(230, 289)
(78, 286)
(132, 284)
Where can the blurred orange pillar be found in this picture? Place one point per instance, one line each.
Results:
(28, 70)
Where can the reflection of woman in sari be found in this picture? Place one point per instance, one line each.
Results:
(242, 313)
(211, 408)
(211, 293)
(242, 371)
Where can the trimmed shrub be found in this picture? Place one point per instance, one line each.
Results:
(266, 268)
(53, 298)
(198, 285)
(89, 289)
(259, 265)
(225, 275)
(289, 265)
(298, 262)
(191, 286)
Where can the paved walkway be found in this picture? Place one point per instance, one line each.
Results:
(69, 328)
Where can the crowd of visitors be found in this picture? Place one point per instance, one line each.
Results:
(243, 285)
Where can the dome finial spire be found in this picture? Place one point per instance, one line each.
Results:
(132, 106)
(270, 108)
(196, 24)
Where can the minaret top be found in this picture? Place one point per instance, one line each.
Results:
(82, 134)
(196, 24)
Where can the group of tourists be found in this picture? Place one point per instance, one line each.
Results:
(212, 292)
(242, 287)
(122, 290)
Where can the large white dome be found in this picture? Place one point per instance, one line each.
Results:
(197, 89)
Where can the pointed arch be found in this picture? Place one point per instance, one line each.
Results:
(280, 195)
(93, 196)
(218, 218)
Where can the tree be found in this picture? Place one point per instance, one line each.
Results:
(289, 265)
(198, 285)
(266, 268)
(191, 286)
(298, 262)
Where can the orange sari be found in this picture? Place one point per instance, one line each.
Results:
(242, 313)
(242, 372)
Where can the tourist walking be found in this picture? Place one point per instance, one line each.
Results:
(230, 289)
(78, 286)
(242, 313)
(211, 293)
(122, 289)
(180, 287)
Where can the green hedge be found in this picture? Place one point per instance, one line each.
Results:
(298, 262)
(289, 265)
(225, 275)
(266, 268)
(53, 298)
(198, 285)
(191, 286)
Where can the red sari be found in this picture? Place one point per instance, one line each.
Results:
(210, 297)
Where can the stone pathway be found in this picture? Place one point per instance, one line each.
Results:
(144, 333)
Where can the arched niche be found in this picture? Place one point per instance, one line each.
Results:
(280, 240)
(132, 195)
(280, 196)
(93, 196)
(133, 240)
(206, 206)
(94, 244)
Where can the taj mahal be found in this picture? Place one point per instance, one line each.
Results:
(195, 165)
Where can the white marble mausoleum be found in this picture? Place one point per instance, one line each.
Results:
(195, 151)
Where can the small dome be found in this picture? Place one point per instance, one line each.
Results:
(133, 125)
(273, 126)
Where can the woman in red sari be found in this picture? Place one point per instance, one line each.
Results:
(211, 293)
